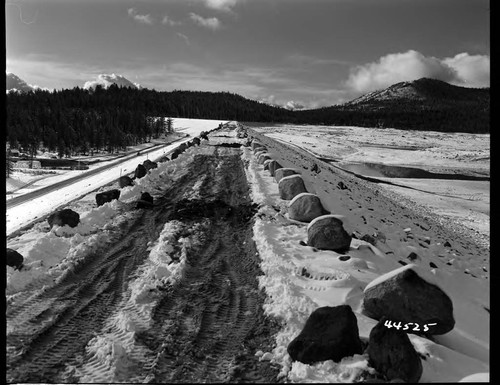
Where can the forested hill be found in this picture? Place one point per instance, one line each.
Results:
(424, 104)
(114, 117)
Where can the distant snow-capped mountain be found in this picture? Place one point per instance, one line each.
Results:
(15, 84)
(106, 80)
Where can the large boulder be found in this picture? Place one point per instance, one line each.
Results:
(64, 217)
(259, 152)
(196, 141)
(330, 333)
(125, 181)
(290, 186)
(148, 164)
(283, 172)
(263, 157)
(140, 171)
(14, 259)
(391, 353)
(404, 296)
(145, 201)
(256, 144)
(305, 207)
(327, 232)
(175, 154)
(106, 196)
(273, 166)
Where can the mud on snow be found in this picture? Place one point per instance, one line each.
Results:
(205, 326)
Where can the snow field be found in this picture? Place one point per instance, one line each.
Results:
(298, 280)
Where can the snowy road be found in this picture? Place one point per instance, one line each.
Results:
(207, 325)
(21, 216)
(79, 178)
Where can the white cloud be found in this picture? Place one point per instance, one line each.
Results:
(221, 5)
(145, 19)
(184, 37)
(293, 105)
(211, 23)
(463, 70)
(106, 80)
(168, 21)
(473, 70)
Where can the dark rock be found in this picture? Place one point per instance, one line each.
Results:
(344, 257)
(330, 333)
(266, 164)
(402, 263)
(64, 217)
(305, 207)
(447, 244)
(327, 233)
(433, 265)
(302, 243)
(196, 141)
(406, 297)
(148, 164)
(412, 256)
(315, 168)
(14, 259)
(273, 166)
(175, 154)
(291, 186)
(125, 181)
(283, 172)
(145, 201)
(140, 171)
(370, 239)
(341, 185)
(107, 196)
(391, 353)
(145, 196)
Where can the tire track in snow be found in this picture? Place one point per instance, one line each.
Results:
(207, 326)
(40, 340)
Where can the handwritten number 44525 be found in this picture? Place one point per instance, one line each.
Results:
(389, 324)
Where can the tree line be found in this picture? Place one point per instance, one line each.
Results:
(77, 120)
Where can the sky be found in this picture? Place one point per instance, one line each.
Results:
(305, 52)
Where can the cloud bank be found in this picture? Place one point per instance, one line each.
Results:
(211, 23)
(170, 22)
(461, 70)
(220, 5)
(107, 80)
(144, 19)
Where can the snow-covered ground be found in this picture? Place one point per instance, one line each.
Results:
(20, 216)
(292, 296)
(464, 201)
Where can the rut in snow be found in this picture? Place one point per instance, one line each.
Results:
(206, 327)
